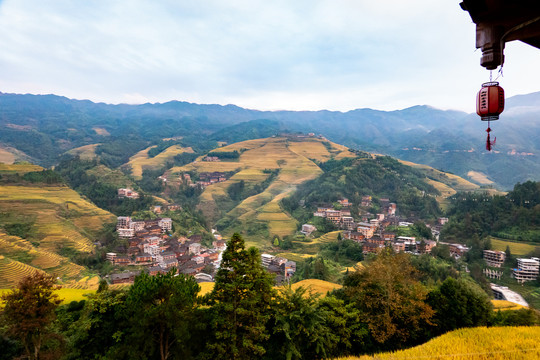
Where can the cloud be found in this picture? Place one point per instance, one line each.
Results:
(335, 54)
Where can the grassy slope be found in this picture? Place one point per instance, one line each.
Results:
(141, 161)
(494, 343)
(59, 217)
(295, 159)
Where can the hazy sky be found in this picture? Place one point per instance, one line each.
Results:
(268, 55)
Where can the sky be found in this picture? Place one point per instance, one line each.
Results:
(267, 55)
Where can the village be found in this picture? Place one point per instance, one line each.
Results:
(151, 247)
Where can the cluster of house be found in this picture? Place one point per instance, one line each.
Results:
(205, 179)
(126, 227)
(283, 268)
(526, 270)
(342, 217)
(127, 193)
(150, 246)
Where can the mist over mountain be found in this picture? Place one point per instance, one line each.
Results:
(45, 126)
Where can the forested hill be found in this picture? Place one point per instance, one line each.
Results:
(377, 176)
(43, 127)
(515, 216)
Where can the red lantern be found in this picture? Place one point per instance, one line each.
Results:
(489, 105)
(490, 101)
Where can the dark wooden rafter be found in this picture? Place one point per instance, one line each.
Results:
(500, 21)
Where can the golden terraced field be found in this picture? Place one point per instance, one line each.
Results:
(140, 161)
(59, 218)
(494, 343)
(295, 160)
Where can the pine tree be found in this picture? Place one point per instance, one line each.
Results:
(240, 303)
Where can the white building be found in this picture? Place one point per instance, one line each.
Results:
(527, 269)
(266, 259)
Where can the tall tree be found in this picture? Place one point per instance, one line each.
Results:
(240, 303)
(391, 299)
(29, 311)
(160, 310)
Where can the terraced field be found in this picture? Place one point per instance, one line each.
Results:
(86, 152)
(516, 248)
(140, 161)
(58, 218)
(494, 343)
(18, 168)
(296, 161)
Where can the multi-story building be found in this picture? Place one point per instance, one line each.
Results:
(334, 216)
(494, 258)
(122, 222)
(527, 269)
(165, 224)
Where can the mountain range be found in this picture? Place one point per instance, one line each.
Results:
(41, 128)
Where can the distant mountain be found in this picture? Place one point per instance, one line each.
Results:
(45, 126)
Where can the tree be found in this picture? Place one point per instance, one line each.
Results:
(508, 258)
(30, 310)
(391, 299)
(240, 303)
(459, 303)
(159, 310)
(299, 329)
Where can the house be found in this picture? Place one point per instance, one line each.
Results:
(219, 245)
(110, 256)
(527, 269)
(366, 229)
(388, 236)
(143, 258)
(125, 233)
(376, 240)
(194, 248)
(354, 235)
(457, 250)
(442, 220)
(391, 210)
(398, 246)
(122, 222)
(157, 209)
(347, 222)
(128, 193)
(366, 201)
(154, 270)
(371, 248)
(165, 224)
(307, 229)
(124, 278)
(344, 202)
(266, 260)
(494, 258)
(121, 260)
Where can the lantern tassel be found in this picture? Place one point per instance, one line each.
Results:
(489, 143)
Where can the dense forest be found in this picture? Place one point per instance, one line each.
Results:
(244, 317)
(515, 216)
